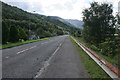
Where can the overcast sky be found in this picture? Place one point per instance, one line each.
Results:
(67, 9)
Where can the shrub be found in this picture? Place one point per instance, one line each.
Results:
(108, 47)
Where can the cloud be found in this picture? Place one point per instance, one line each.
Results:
(25, 5)
(22, 5)
(36, 7)
(69, 9)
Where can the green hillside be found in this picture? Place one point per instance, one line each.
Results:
(18, 24)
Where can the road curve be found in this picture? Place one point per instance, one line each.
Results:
(53, 58)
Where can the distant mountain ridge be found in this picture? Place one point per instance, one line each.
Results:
(70, 22)
(62, 20)
(76, 23)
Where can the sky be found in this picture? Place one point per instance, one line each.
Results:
(67, 9)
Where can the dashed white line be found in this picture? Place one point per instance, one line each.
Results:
(26, 50)
(7, 57)
(50, 40)
(33, 47)
(44, 43)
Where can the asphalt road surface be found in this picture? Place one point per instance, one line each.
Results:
(52, 58)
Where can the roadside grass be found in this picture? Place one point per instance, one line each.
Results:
(21, 43)
(113, 60)
(94, 70)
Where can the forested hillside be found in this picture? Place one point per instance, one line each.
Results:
(18, 24)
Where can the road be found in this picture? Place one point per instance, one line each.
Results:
(52, 58)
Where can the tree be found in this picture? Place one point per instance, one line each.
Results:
(22, 34)
(78, 33)
(118, 24)
(14, 34)
(98, 23)
(59, 32)
(5, 32)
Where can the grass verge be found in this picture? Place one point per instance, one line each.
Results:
(94, 70)
(20, 43)
(113, 60)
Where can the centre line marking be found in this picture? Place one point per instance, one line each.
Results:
(46, 63)
(33, 47)
(26, 50)
(7, 57)
(44, 43)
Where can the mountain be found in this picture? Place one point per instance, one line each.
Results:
(61, 20)
(70, 22)
(18, 24)
(76, 23)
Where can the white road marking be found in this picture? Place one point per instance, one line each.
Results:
(7, 57)
(46, 63)
(26, 50)
(44, 43)
(50, 40)
(33, 47)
